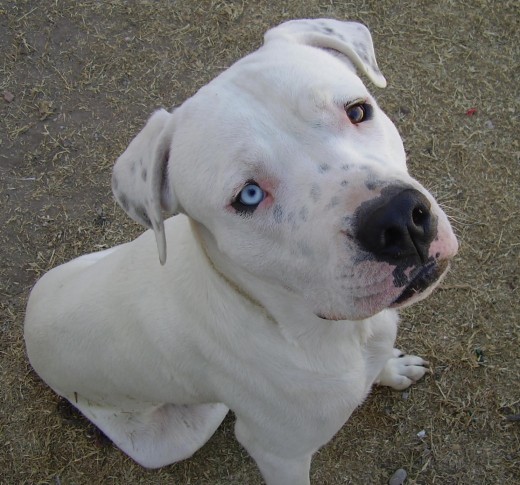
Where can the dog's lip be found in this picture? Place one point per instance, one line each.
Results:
(331, 318)
(430, 273)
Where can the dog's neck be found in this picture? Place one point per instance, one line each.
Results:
(235, 287)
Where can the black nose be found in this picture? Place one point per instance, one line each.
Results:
(397, 227)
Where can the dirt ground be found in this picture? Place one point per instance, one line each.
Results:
(79, 78)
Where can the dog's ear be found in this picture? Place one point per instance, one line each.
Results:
(140, 177)
(350, 39)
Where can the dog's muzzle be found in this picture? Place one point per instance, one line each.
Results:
(398, 228)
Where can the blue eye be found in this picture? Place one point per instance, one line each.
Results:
(251, 195)
(249, 198)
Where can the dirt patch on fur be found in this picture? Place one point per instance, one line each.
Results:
(78, 79)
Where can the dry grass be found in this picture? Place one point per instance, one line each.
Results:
(85, 75)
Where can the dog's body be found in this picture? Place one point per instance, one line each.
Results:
(289, 260)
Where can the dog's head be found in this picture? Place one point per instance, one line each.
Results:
(296, 175)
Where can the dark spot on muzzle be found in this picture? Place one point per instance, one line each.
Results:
(421, 279)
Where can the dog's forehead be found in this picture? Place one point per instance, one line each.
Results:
(272, 91)
(287, 76)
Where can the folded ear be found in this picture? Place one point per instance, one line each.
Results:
(349, 39)
(140, 177)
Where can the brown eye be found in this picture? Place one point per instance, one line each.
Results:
(359, 112)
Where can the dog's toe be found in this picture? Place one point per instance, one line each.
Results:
(402, 370)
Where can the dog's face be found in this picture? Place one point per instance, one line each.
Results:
(299, 178)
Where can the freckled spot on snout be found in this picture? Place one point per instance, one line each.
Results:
(344, 183)
(324, 167)
(374, 183)
(304, 213)
(315, 192)
(345, 167)
(278, 213)
(291, 219)
(334, 201)
(144, 174)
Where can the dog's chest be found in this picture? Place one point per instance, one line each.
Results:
(336, 373)
(314, 397)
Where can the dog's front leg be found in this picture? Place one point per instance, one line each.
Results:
(276, 469)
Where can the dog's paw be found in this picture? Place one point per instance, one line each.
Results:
(401, 371)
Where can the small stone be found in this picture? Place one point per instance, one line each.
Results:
(489, 125)
(8, 96)
(421, 434)
(398, 477)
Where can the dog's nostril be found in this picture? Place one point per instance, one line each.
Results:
(420, 216)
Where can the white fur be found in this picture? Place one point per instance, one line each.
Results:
(271, 315)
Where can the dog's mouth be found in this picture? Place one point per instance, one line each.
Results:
(429, 274)
(422, 282)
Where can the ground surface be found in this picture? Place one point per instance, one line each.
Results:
(80, 78)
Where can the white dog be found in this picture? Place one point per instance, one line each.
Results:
(299, 233)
